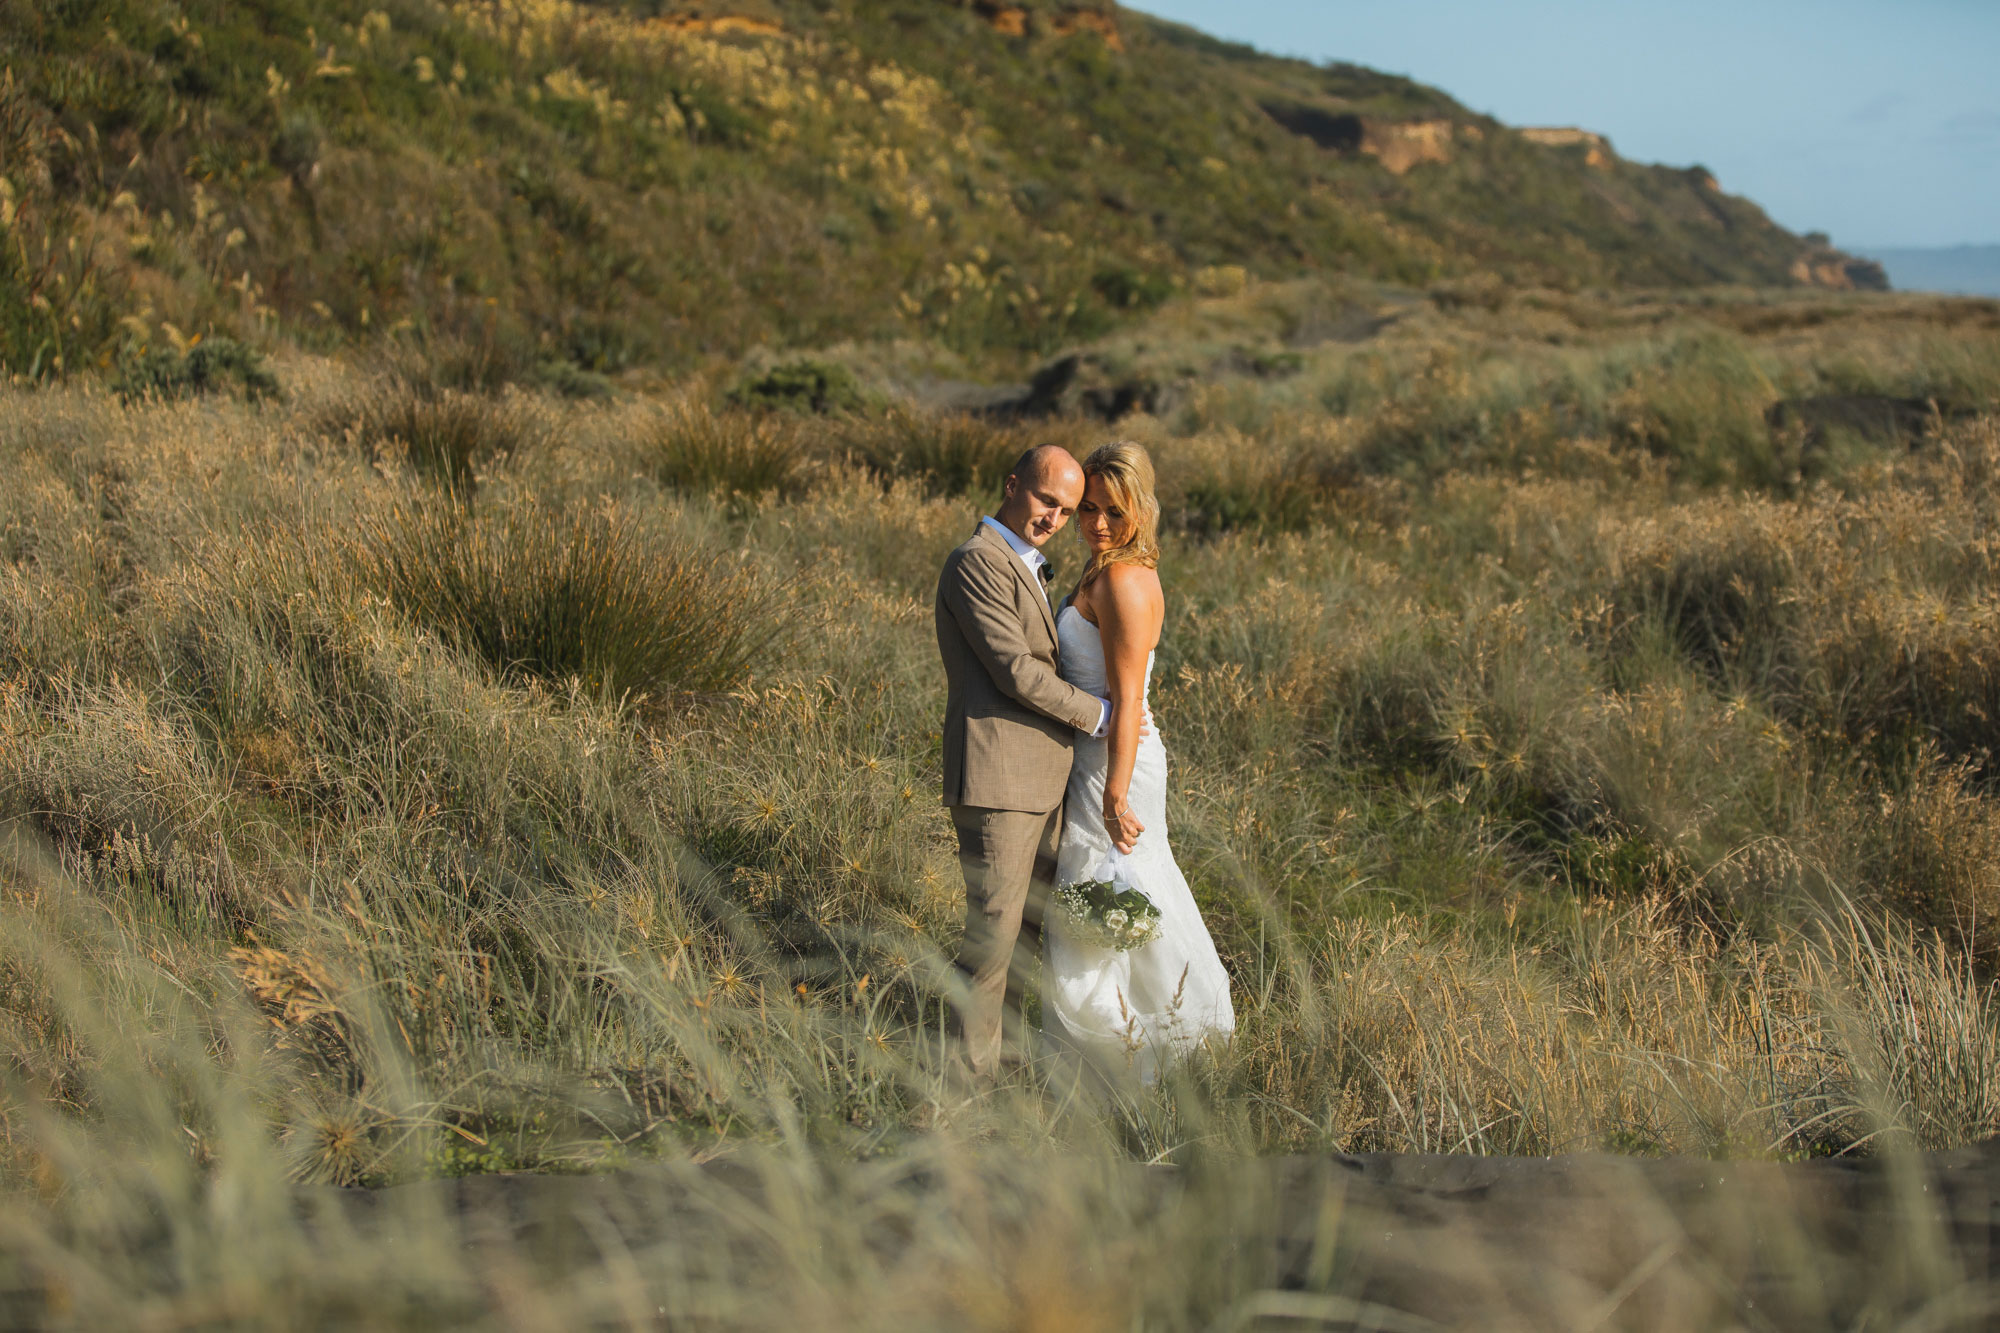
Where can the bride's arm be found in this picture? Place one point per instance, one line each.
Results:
(1129, 610)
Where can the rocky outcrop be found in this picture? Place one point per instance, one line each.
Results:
(1875, 418)
(1596, 148)
(1007, 20)
(1102, 25)
(1010, 20)
(728, 23)
(1086, 384)
(1398, 145)
(1335, 131)
(1563, 136)
(1839, 271)
(748, 18)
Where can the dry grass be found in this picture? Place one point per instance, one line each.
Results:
(1531, 814)
(447, 434)
(570, 594)
(690, 446)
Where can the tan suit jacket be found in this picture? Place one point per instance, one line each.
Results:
(1009, 719)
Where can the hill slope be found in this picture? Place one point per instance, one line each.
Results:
(623, 183)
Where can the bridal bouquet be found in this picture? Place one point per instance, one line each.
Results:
(1108, 911)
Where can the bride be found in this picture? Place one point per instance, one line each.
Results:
(1126, 1011)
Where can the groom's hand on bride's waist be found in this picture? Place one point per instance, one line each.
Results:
(1104, 722)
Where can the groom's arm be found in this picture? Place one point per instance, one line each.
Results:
(981, 600)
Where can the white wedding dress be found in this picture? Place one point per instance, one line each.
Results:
(1128, 1011)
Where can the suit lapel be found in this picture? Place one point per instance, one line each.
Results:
(1020, 568)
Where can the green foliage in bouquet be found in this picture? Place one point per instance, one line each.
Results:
(1101, 913)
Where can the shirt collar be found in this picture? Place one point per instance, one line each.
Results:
(1015, 540)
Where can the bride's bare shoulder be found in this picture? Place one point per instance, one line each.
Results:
(1131, 588)
(1129, 580)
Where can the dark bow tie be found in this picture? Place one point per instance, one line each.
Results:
(1044, 571)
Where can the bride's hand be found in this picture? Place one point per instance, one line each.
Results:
(1123, 826)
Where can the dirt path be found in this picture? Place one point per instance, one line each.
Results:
(1371, 1241)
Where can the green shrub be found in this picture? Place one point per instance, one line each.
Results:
(802, 386)
(573, 381)
(1126, 288)
(561, 594)
(298, 144)
(207, 367)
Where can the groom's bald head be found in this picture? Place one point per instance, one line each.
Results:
(1041, 493)
(1044, 462)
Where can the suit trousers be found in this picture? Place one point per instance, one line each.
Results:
(1008, 858)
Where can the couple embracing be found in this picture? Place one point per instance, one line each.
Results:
(1051, 763)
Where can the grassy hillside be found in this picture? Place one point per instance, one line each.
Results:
(610, 185)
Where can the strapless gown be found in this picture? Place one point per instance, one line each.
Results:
(1128, 1012)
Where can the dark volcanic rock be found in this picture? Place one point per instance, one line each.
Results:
(1876, 418)
(1340, 131)
(1084, 384)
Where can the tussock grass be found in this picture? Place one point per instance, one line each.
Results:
(1226, 480)
(690, 446)
(569, 593)
(1679, 396)
(449, 435)
(1531, 814)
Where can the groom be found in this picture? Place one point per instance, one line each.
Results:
(1009, 726)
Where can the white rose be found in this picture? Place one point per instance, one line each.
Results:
(1116, 920)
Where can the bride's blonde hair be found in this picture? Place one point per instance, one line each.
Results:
(1127, 471)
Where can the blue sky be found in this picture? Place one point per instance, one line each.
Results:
(1876, 122)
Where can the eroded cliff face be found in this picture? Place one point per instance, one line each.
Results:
(1596, 148)
(1838, 271)
(1399, 145)
(702, 18)
(1012, 20)
(1633, 194)
(1405, 144)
